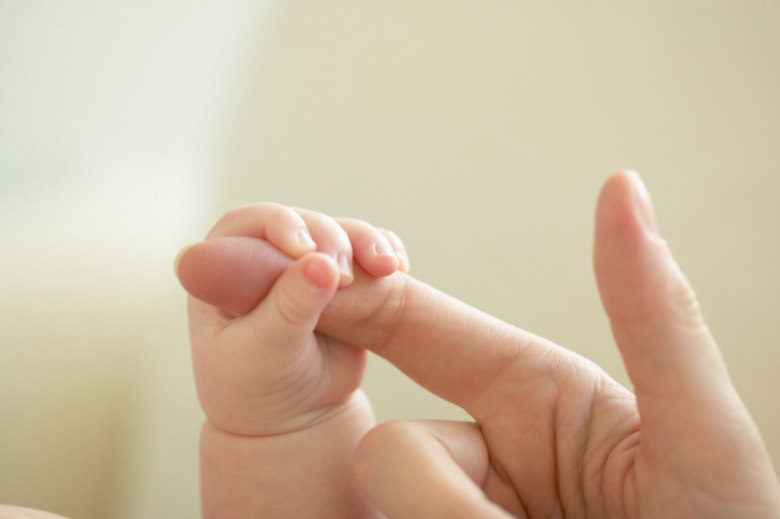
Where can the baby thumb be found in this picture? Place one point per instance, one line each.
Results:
(669, 353)
(292, 308)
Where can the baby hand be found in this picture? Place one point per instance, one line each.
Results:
(263, 370)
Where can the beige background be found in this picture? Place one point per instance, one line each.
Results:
(479, 131)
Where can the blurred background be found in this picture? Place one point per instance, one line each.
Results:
(479, 131)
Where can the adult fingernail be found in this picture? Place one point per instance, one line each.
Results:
(643, 203)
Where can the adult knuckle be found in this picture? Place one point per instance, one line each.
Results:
(684, 304)
(390, 312)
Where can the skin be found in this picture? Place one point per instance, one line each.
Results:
(280, 399)
(553, 435)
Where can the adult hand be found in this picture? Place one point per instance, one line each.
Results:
(554, 435)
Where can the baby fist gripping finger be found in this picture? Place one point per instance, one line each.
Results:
(260, 377)
(260, 366)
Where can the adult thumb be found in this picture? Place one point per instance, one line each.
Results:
(695, 430)
(667, 348)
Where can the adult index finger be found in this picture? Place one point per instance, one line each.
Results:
(445, 345)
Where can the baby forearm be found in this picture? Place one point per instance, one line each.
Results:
(306, 473)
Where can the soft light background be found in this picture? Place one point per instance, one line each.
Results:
(479, 131)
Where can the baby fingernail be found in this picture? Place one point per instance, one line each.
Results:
(403, 260)
(305, 239)
(381, 249)
(345, 266)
